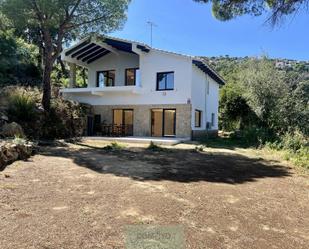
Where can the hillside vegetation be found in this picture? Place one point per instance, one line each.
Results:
(265, 102)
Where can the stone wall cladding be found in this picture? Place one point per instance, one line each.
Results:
(142, 117)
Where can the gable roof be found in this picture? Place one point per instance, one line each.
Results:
(96, 46)
(201, 64)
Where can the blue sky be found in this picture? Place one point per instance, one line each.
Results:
(188, 27)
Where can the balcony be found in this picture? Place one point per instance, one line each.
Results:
(103, 90)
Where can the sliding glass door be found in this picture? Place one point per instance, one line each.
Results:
(163, 122)
(124, 117)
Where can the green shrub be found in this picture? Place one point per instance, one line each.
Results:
(66, 119)
(22, 105)
(19, 140)
(295, 147)
(153, 147)
(114, 146)
(301, 158)
(200, 148)
(293, 142)
(255, 136)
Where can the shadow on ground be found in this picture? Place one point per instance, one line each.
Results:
(172, 164)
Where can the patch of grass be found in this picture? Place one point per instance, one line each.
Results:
(291, 147)
(19, 140)
(200, 148)
(299, 158)
(153, 147)
(295, 148)
(225, 142)
(114, 146)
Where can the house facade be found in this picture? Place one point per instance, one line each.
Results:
(150, 91)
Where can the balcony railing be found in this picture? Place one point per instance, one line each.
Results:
(102, 90)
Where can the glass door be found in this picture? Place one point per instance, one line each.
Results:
(128, 122)
(157, 122)
(124, 117)
(169, 122)
(163, 122)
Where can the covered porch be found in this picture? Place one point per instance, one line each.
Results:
(112, 64)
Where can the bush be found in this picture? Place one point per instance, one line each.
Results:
(22, 105)
(200, 148)
(293, 142)
(295, 146)
(153, 147)
(254, 136)
(301, 158)
(114, 146)
(66, 119)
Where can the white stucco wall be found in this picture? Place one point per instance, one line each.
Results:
(150, 64)
(212, 101)
(203, 99)
(113, 62)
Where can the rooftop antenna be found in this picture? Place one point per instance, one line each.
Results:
(151, 24)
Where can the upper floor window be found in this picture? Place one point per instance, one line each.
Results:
(106, 78)
(132, 76)
(198, 118)
(165, 81)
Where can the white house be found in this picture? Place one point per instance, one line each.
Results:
(149, 92)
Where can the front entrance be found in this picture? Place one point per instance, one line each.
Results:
(124, 117)
(163, 122)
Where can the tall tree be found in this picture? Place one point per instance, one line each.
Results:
(228, 9)
(50, 23)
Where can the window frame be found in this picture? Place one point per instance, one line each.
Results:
(126, 78)
(199, 118)
(165, 89)
(106, 71)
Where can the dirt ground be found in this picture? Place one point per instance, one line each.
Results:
(83, 197)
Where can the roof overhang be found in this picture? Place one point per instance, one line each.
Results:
(95, 47)
(208, 70)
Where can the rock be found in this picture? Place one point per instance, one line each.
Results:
(10, 152)
(11, 130)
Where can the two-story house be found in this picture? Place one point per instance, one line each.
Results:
(151, 91)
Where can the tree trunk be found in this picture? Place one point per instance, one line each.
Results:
(48, 65)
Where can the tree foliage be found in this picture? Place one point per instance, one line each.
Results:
(259, 94)
(18, 60)
(228, 9)
(49, 23)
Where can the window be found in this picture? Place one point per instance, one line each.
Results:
(106, 78)
(132, 76)
(165, 81)
(212, 119)
(198, 118)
